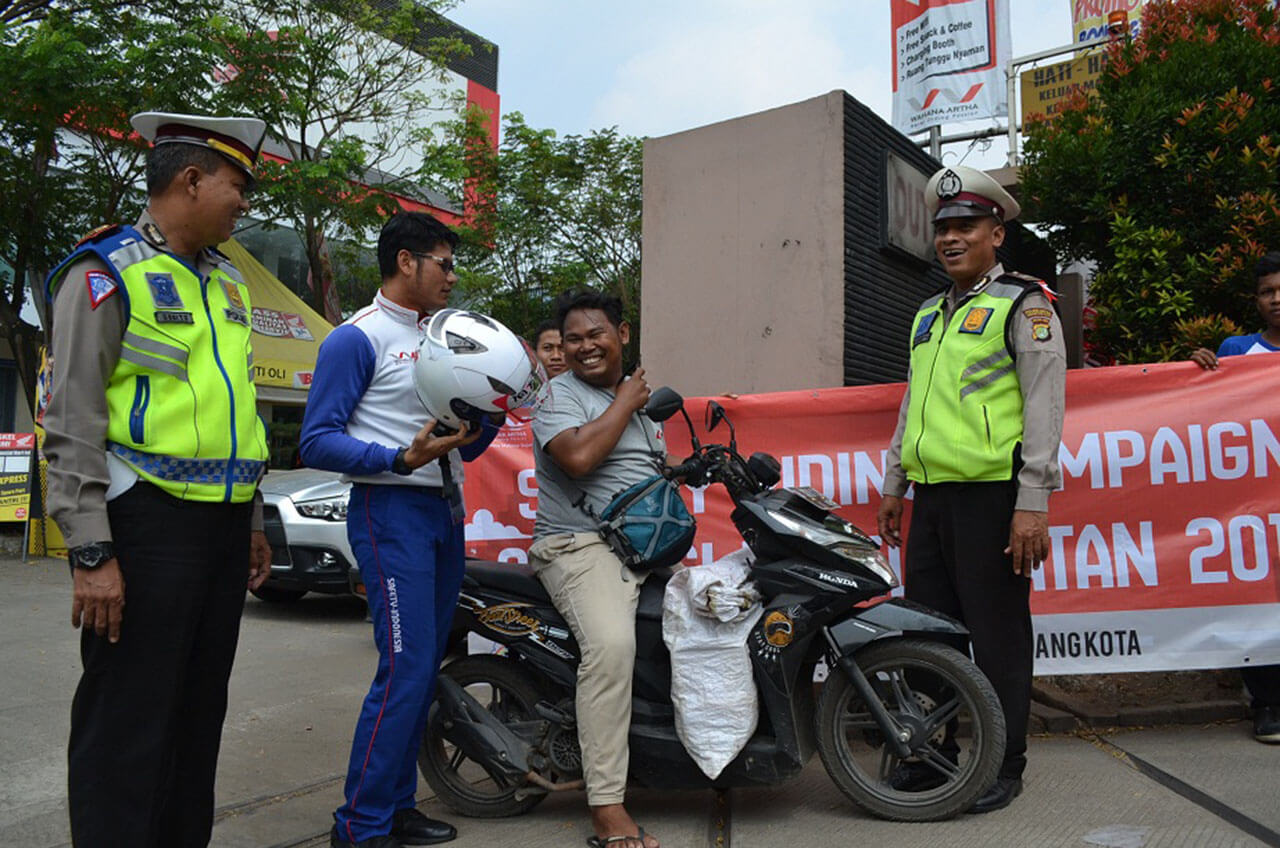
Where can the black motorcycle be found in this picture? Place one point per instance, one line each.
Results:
(907, 727)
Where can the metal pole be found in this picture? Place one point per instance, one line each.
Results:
(935, 142)
(1012, 82)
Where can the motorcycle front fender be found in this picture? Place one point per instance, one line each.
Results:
(891, 618)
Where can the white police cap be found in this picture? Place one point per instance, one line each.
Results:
(959, 191)
(239, 139)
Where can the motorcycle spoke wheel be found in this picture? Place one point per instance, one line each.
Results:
(463, 784)
(956, 727)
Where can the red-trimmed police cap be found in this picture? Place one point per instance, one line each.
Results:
(963, 192)
(239, 139)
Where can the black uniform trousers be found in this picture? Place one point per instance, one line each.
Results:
(955, 563)
(1264, 685)
(147, 717)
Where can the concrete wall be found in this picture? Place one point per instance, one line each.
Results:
(743, 253)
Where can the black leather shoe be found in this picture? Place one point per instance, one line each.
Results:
(999, 796)
(916, 777)
(387, 841)
(1266, 724)
(413, 828)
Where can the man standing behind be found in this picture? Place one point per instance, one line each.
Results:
(978, 434)
(404, 521)
(591, 443)
(155, 451)
(1263, 681)
(549, 349)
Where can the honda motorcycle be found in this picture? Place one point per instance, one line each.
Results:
(895, 701)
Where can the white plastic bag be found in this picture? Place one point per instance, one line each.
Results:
(707, 612)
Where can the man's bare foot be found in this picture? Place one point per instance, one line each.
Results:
(609, 820)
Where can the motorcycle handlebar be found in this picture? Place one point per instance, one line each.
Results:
(689, 468)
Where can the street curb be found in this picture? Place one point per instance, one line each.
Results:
(1093, 714)
(1048, 719)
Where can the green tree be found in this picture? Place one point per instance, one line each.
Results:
(549, 213)
(1168, 179)
(70, 75)
(342, 85)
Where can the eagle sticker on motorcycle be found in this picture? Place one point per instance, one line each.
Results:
(778, 629)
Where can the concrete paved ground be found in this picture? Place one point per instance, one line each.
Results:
(302, 670)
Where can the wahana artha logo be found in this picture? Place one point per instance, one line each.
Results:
(393, 604)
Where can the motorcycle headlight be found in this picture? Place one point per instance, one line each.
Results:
(872, 560)
(330, 509)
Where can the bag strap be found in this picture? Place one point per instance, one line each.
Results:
(580, 501)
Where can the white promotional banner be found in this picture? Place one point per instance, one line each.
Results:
(948, 61)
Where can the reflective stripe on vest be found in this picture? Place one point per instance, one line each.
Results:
(964, 419)
(177, 470)
(181, 401)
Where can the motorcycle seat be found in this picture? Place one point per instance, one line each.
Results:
(514, 577)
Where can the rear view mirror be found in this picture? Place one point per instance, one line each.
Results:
(663, 403)
(715, 414)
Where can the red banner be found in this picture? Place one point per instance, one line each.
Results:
(1165, 536)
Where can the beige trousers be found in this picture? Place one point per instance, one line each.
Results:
(598, 598)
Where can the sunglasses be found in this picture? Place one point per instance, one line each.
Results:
(446, 265)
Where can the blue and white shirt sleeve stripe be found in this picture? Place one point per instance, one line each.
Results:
(344, 369)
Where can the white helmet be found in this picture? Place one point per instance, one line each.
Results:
(470, 366)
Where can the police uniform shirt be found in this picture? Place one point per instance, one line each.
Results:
(84, 351)
(1041, 366)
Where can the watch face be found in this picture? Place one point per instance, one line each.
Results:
(91, 555)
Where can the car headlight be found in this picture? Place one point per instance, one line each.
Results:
(872, 560)
(330, 509)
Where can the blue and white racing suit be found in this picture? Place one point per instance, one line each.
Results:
(362, 407)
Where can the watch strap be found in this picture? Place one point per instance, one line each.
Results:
(91, 555)
(399, 465)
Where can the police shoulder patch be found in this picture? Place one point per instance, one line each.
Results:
(1041, 322)
(101, 286)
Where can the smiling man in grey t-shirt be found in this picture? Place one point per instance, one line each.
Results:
(591, 443)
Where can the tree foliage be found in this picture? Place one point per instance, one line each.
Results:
(1169, 178)
(343, 84)
(549, 213)
(70, 75)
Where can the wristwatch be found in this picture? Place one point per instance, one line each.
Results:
(399, 466)
(91, 555)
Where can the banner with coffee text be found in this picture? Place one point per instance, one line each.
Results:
(1165, 537)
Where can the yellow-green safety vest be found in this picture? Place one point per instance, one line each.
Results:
(181, 401)
(964, 418)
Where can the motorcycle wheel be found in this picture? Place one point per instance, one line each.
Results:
(958, 732)
(464, 785)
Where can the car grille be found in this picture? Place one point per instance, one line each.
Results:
(274, 528)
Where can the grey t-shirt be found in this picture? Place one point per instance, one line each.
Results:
(567, 402)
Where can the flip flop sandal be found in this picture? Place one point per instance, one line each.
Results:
(619, 841)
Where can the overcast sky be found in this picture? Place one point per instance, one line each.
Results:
(654, 68)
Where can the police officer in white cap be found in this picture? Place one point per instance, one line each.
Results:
(155, 451)
(978, 435)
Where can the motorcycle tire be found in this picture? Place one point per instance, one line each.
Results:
(956, 720)
(460, 783)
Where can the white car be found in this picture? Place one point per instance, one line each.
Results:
(305, 519)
